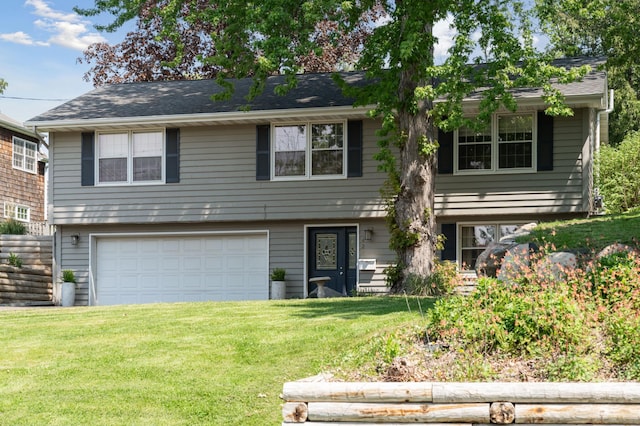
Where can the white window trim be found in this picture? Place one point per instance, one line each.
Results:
(14, 215)
(495, 150)
(308, 175)
(24, 155)
(130, 181)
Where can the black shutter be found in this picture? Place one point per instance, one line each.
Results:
(449, 250)
(545, 141)
(173, 156)
(87, 159)
(445, 152)
(354, 148)
(263, 152)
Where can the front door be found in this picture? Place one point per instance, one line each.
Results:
(333, 253)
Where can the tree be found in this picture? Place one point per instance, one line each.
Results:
(161, 50)
(267, 37)
(3, 85)
(602, 28)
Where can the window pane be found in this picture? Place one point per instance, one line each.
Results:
(147, 156)
(474, 240)
(474, 149)
(147, 144)
(112, 170)
(326, 163)
(290, 150)
(327, 144)
(290, 163)
(113, 145)
(515, 155)
(327, 136)
(147, 168)
(515, 136)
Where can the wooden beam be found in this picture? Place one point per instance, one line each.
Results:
(600, 414)
(357, 391)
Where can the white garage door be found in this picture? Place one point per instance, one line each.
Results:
(181, 268)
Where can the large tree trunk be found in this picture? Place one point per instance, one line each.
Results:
(414, 203)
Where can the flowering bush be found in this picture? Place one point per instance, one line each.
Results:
(564, 321)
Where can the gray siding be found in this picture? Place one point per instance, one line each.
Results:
(217, 183)
(286, 249)
(559, 191)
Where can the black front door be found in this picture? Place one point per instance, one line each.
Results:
(333, 253)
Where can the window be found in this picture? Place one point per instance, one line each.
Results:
(130, 157)
(17, 212)
(25, 155)
(474, 238)
(311, 150)
(507, 144)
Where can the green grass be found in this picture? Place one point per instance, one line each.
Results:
(594, 233)
(176, 364)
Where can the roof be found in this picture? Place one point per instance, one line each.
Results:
(17, 127)
(188, 102)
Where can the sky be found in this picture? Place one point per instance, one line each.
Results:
(40, 42)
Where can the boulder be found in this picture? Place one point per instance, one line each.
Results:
(556, 265)
(516, 261)
(488, 262)
(617, 248)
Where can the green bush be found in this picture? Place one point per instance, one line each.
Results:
(68, 276)
(15, 260)
(12, 227)
(563, 322)
(619, 174)
(442, 281)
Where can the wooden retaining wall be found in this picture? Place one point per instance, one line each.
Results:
(322, 403)
(33, 282)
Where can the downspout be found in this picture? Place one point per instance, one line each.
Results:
(598, 203)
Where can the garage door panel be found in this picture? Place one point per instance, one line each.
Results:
(150, 269)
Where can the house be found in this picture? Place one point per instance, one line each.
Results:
(161, 194)
(22, 183)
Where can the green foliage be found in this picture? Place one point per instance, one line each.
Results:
(278, 274)
(15, 260)
(3, 85)
(68, 276)
(619, 174)
(558, 320)
(441, 282)
(12, 227)
(601, 28)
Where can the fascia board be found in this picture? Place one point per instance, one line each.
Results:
(199, 119)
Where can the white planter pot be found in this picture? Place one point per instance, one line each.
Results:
(67, 294)
(278, 290)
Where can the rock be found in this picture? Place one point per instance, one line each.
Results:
(617, 248)
(556, 265)
(516, 261)
(488, 262)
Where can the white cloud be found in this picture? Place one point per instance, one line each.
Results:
(67, 29)
(21, 37)
(445, 32)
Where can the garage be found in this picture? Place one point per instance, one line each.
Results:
(180, 268)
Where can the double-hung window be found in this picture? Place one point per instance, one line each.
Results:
(25, 155)
(309, 150)
(17, 212)
(130, 157)
(507, 144)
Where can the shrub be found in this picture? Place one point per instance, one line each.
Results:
(12, 227)
(68, 276)
(622, 326)
(443, 281)
(619, 177)
(278, 274)
(15, 260)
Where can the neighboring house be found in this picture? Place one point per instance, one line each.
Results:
(22, 183)
(161, 194)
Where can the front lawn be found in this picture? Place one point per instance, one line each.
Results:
(176, 364)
